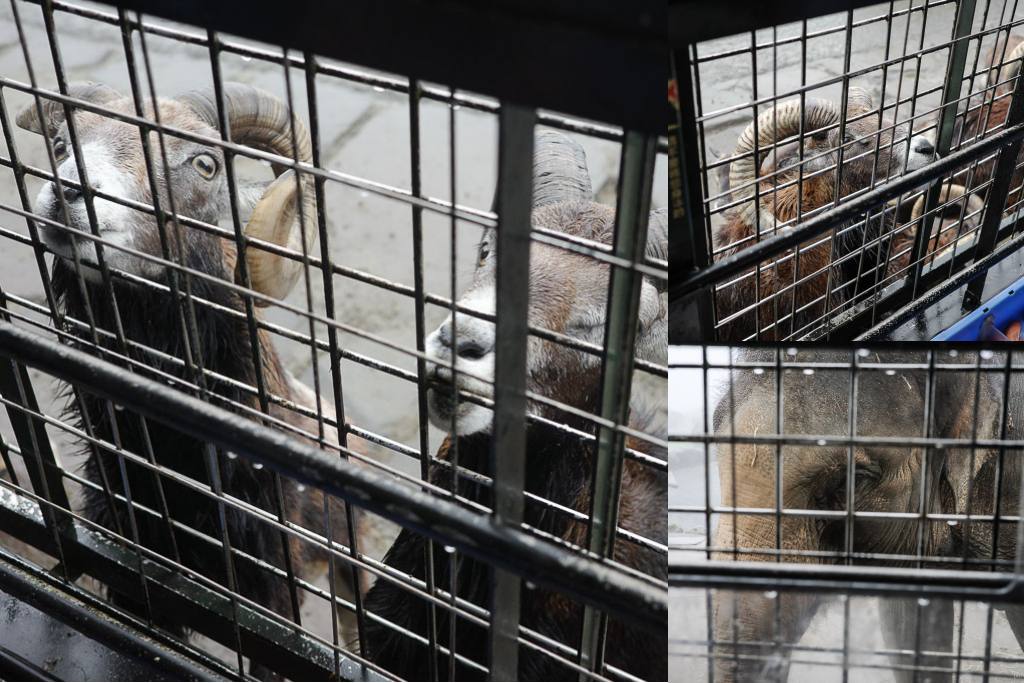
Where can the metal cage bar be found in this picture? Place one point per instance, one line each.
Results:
(635, 599)
(515, 163)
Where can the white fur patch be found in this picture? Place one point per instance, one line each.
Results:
(114, 221)
(470, 417)
(916, 159)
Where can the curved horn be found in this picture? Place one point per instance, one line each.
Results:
(258, 119)
(657, 241)
(53, 111)
(1011, 65)
(1005, 70)
(559, 170)
(775, 124)
(858, 101)
(950, 193)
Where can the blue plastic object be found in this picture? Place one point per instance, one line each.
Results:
(1007, 306)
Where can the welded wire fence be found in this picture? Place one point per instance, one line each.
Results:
(845, 514)
(816, 208)
(222, 393)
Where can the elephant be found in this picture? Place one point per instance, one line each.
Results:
(958, 401)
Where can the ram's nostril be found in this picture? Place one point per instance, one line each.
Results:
(923, 146)
(471, 350)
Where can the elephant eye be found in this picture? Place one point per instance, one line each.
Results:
(869, 470)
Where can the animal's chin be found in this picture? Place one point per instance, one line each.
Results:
(443, 411)
(63, 248)
(67, 249)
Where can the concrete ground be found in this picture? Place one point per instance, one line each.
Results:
(365, 133)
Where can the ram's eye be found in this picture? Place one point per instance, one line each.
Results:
(485, 251)
(820, 136)
(205, 164)
(60, 150)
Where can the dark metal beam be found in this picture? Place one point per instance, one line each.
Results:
(968, 275)
(636, 173)
(512, 302)
(955, 66)
(602, 60)
(933, 583)
(265, 640)
(90, 630)
(691, 316)
(638, 601)
(995, 202)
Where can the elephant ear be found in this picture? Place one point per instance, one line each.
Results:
(967, 405)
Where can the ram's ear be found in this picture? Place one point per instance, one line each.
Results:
(53, 111)
(652, 331)
(249, 195)
(657, 242)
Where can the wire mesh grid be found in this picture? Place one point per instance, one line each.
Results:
(845, 514)
(822, 212)
(139, 328)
